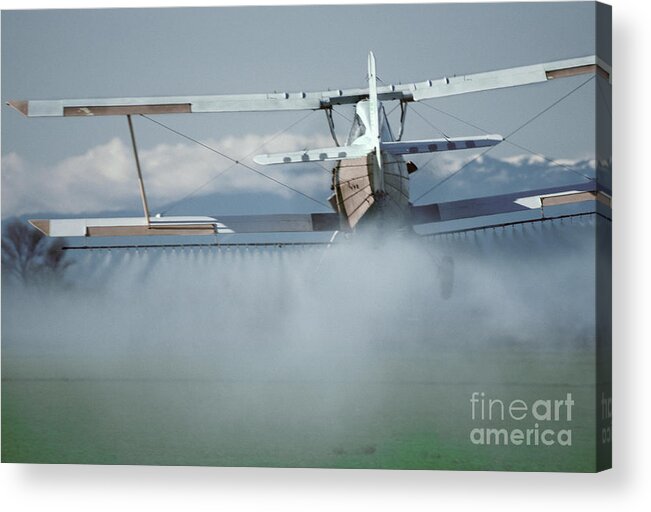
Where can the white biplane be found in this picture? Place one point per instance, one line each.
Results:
(370, 179)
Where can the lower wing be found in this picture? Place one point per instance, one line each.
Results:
(476, 213)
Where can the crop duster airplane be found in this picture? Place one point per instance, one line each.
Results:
(370, 179)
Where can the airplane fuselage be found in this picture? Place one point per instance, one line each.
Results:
(372, 188)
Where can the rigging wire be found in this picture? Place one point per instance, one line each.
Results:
(174, 204)
(235, 161)
(550, 106)
(393, 109)
(436, 185)
(431, 124)
(450, 176)
(342, 115)
(550, 160)
(526, 123)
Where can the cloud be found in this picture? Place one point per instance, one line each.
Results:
(104, 177)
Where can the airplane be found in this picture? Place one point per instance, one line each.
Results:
(370, 178)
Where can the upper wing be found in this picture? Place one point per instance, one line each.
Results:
(446, 86)
(511, 77)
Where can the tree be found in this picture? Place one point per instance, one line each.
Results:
(30, 257)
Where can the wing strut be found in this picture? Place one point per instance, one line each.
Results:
(141, 182)
(403, 117)
(331, 125)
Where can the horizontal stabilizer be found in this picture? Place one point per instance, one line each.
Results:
(179, 226)
(409, 147)
(314, 155)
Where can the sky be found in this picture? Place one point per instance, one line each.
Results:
(135, 306)
(84, 166)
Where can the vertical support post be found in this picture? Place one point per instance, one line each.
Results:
(403, 117)
(141, 183)
(331, 125)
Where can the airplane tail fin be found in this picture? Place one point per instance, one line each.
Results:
(373, 106)
(374, 118)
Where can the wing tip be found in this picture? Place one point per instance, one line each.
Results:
(43, 225)
(261, 159)
(21, 106)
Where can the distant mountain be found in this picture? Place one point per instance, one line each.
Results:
(487, 176)
(484, 176)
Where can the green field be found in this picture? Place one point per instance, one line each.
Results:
(390, 407)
